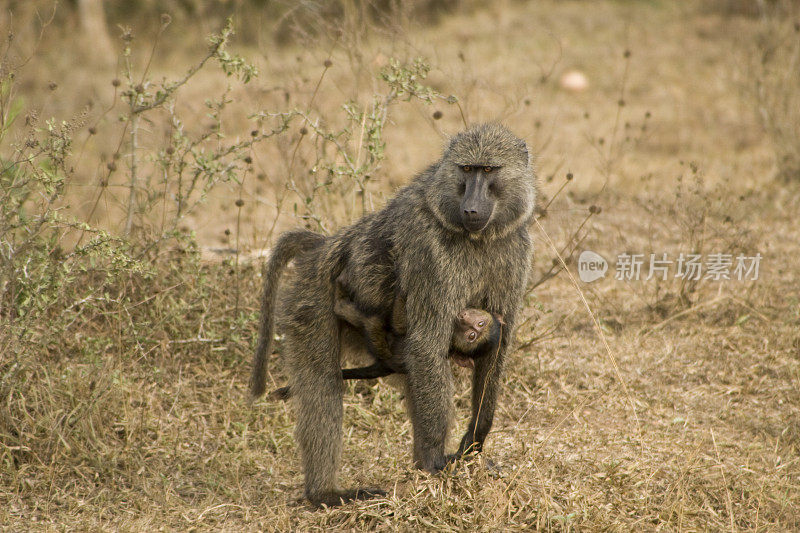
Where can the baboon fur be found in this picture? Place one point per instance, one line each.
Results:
(455, 237)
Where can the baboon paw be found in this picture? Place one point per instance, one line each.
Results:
(434, 465)
(341, 497)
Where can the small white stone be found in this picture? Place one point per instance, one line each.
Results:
(574, 80)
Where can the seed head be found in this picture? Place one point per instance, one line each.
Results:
(437, 115)
(112, 166)
(92, 130)
(248, 159)
(227, 231)
(239, 202)
(595, 209)
(170, 150)
(115, 82)
(52, 86)
(303, 131)
(569, 176)
(254, 133)
(327, 63)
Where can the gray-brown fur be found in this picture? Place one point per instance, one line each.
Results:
(417, 246)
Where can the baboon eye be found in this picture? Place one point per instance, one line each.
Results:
(488, 169)
(466, 168)
(481, 324)
(472, 336)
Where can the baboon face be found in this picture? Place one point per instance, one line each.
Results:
(476, 331)
(477, 201)
(483, 183)
(472, 326)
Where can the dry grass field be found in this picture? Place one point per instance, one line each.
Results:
(126, 334)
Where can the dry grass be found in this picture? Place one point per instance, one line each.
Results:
(137, 417)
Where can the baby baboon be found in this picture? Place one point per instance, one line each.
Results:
(476, 333)
(380, 334)
(454, 238)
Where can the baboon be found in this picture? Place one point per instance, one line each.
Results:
(455, 237)
(380, 332)
(476, 333)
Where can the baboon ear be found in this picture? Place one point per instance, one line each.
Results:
(524, 147)
(499, 318)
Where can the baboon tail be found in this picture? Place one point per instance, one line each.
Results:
(288, 246)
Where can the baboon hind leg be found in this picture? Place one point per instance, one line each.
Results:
(316, 387)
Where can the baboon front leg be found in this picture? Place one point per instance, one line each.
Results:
(429, 394)
(485, 390)
(486, 385)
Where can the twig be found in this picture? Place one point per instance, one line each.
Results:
(729, 503)
(597, 327)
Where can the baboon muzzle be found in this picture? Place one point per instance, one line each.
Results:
(476, 206)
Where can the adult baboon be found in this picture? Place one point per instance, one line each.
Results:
(476, 334)
(456, 237)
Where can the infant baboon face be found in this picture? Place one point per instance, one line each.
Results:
(472, 336)
(472, 325)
